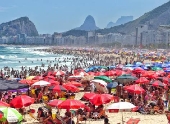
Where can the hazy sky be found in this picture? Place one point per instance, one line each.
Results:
(61, 15)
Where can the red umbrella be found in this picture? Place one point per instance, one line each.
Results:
(4, 104)
(110, 73)
(71, 104)
(53, 83)
(147, 73)
(77, 84)
(166, 80)
(71, 87)
(54, 103)
(91, 73)
(50, 77)
(99, 99)
(88, 95)
(142, 80)
(58, 88)
(135, 89)
(29, 82)
(99, 74)
(138, 70)
(38, 78)
(157, 83)
(21, 101)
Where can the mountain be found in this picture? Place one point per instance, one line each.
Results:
(121, 20)
(18, 26)
(88, 25)
(111, 24)
(155, 18)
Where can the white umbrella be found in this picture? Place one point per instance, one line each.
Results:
(99, 81)
(41, 83)
(120, 106)
(100, 85)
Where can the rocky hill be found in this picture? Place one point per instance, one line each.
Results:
(121, 20)
(154, 18)
(18, 26)
(88, 25)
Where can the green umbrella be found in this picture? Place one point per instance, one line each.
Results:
(11, 115)
(125, 78)
(156, 68)
(104, 78)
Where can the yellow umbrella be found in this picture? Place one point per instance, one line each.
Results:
(30, 77)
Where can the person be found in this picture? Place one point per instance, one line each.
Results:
(92, 87)
(106, 120)
(41, 115)
(49, 119)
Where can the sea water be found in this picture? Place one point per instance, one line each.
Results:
(17, 56)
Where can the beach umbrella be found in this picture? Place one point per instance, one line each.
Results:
(121, 106)
(156, 68)
(58, 73)
(87, 96)
(112, 85)
(142, 80)
(3, 87)
(30, 77)
(119, 72)
(97, 81)
(53, 83)
(41, 83)
(77, 84)
(91, 73)
(147, 73)
(4, 104)
(126, 78)
(29, 82)
(110, 73)
(99, 99)
(157, 83)
(82, 73)
(104, 78)
(71, 88)
(54, 102)
(135, 89)
(71, 104)
(99, 74)
(50, 77)
(21, 101)
(11, 115)
(58, 88)
(138, 70)
(164, 79)
(38, 78)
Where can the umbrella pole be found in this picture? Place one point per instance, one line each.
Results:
(122, 118)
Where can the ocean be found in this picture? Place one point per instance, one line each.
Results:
(18, 56)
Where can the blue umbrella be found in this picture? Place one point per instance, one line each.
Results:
(112, 85)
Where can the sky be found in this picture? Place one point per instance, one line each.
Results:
(62, 15)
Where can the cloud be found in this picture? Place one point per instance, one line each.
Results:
(5, 8)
